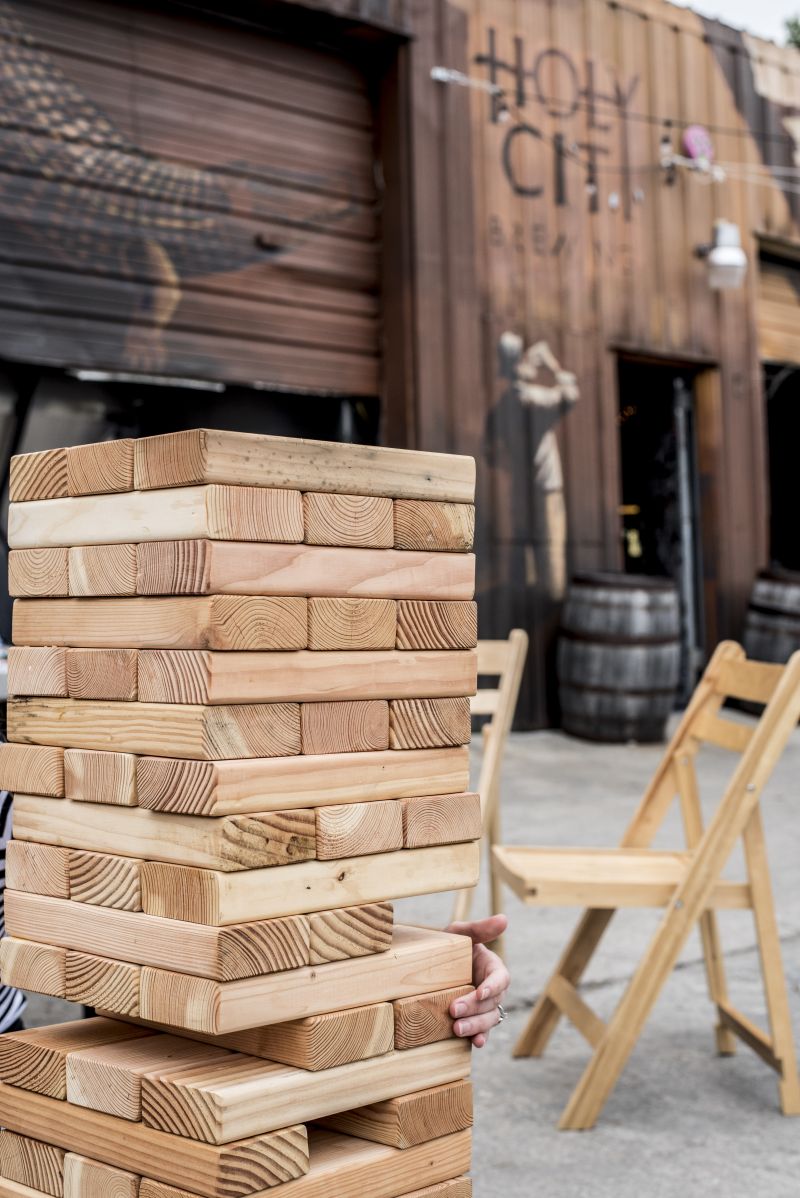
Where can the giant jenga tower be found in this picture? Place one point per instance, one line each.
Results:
(237, 732)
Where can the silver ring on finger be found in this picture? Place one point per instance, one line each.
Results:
(501, 1012)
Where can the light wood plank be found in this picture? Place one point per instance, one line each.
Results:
(232, 568)
(103, 880)
(350, 932)
(208, 677)
(240, 1096)
(456, 1187)
(38, 769)
(351, 1168)
(410, 1119)
(726, 734)
(232, 842)
(37, 671)
(216, 512)
(433, 525)
(442, 819)
(344, 726)
(352, 624)
(32, 1163)
(211, 455)
(101, 570)
(436, 625)
(423, 723)
(214, 897)
(195, 732)
(213, 621)
(425, 1018)
(94, 776)
(418, 958)
(753, 681)
(99, 468)
(37, 869)
(13, 1189)
(108, 1077)
(102, 674)
(36, 1058)
(102, 983)
(238, 787)
(84, 1178)
(38, 572)
(348, 520)
(41, 475)
(355, 829)
(245, 950)
(212, 1172)
(316, 1042)
(37, 967)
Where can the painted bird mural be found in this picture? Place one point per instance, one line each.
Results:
(77, 192)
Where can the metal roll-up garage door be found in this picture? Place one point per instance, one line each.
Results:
(186, 196)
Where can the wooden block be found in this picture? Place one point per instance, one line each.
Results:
(218, 513)
(432, 525)
(32, 768)
(102, 673)
(410, 1119)
(104, 880)
(108, 1077)
(444, 819)
(213, 622)
(37, 967)
(355, 829)
(456, 1187)
(316, 1042)
(36, 1059)
(352, 624)
(212, 897)
(102, 983)
(436, 625)
(37, 671)
(247, 950)
(252, 459)
(241, 730)
(103, 467)
(350, 932)
(13, 1189)
(240, 1096)
(232, 568)
(237, 787)
(38, 572)
(348, 520)
(418, 958)
(101, 570)
(349, 1168)
(429, 723)
(230, 1172)
(92, 776)
(207, 677)
(41, 475)
(349, 726)
(37, 868)
(321, 1041)
(84, 1178)
(32, 1163)
(233, 842)
(425, 1018)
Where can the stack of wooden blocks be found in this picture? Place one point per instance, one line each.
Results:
(238, 730)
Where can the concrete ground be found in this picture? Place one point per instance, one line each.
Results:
(682, 1123)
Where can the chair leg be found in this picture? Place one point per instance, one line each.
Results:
(769, 946)
(495, 885)
(544, 1018)
(462, 905)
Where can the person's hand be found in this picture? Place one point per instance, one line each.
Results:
(477, 1013)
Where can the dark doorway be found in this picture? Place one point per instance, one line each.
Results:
(782, 389)
(660, 524)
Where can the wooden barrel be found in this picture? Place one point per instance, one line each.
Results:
(619, 656)
(772, 627)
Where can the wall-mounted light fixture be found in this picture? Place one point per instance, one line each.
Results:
(727, 261)
(449, 75)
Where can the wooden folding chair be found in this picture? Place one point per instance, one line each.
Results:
(688, 884)
(504, 660)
